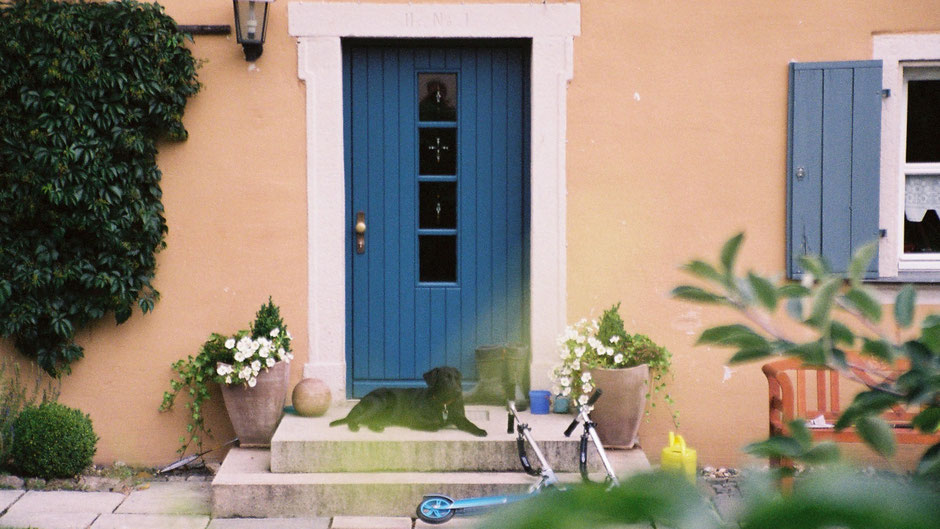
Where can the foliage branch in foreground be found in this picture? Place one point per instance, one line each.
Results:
(830, 496)
(86, 90)
(841, 315)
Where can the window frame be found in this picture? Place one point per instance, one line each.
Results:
(900, 53)
(914, 71)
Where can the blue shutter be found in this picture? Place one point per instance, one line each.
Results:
(833, 162)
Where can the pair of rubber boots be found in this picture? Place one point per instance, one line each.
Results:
(503, 374)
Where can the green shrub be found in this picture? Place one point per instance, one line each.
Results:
(17, 393)
(52, 441)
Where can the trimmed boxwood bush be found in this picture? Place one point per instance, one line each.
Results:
(52, 441)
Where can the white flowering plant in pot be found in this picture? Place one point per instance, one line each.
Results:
(235, 359)
(605, 343)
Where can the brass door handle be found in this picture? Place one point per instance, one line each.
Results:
(361, 232)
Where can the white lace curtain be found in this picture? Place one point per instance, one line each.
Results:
(921, 193)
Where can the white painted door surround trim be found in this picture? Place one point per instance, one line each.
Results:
(319, 28)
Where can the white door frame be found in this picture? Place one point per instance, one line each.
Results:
(319, 28)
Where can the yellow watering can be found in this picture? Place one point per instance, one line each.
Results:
(678, 458)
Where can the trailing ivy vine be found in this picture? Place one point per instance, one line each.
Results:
(86, 90)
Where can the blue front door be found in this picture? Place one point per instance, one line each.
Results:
(436, 180)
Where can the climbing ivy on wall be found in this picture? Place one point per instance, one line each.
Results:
(86, 90)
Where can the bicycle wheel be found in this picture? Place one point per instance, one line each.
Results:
(435, 509)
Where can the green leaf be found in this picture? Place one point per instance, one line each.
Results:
(776, 446)
(800, 433)
(795, 308)
(729, 252)
(927, 420)
(750, 355)
(930, 333)
(704, 271)
(736, 335)
(859, 264)
(793, 290)
(842, 334)
(864, 303)
(866, 403)
(877, 434)
(879, 349)
(823, 300)
(697, 295)
(764, 290)
(904, 306)
(822, 453)
(814, 265)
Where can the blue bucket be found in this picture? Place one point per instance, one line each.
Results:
(539, 402)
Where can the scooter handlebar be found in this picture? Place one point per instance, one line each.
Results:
(571, 427)
(597, 394)
(510, 417)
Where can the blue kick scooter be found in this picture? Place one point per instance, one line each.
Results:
(438, 508)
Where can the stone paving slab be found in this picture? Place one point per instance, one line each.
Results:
(48, 520)
(7, 497)
(370, 522)
(192, 498)
(150, 521)
(456, 522)
(270, 523)
(66, 501)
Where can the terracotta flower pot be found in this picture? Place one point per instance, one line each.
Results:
(620, 409)
(255, 412)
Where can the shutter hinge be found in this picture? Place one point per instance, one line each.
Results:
(885, 92)
(882, 233)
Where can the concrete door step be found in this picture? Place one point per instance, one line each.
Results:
(245, 487)
(304, 444)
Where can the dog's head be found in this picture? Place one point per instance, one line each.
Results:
(444, 383)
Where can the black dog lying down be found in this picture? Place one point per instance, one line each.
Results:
(429, 409)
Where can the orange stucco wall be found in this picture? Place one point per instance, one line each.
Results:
(676, 140)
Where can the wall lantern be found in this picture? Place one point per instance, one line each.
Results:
(251, 21)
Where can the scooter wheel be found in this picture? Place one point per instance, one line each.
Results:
(435, 509)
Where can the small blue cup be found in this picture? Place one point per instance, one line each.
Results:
(539, 401)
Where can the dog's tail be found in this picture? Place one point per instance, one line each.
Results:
(338, 422)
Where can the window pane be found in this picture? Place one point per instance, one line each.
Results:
(438, 203)
(437, 256)
(923, 121)
(438, 151)
(437, 94)
(921, 204)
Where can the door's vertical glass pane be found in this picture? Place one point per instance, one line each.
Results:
(437, 256)
(437, 96)
(438, 151)
(438, 205)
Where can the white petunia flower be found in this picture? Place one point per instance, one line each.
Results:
(618, 358)
(565, 382)
(586, 377)
(270, 362)
(587, 388)
(228, 379)
(252, 382)
(274, 332)
(579, 339)
(614, 339)
(565, 392)
(583, 399)
(289, 337)
(230, 343)
(256, 365)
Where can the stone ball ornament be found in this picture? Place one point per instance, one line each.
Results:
(311, 397)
